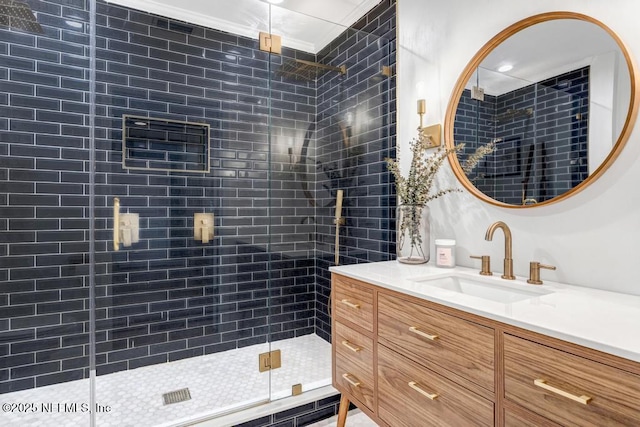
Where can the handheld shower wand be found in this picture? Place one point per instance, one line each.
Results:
(338, 221)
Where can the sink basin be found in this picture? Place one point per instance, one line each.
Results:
(482, 289)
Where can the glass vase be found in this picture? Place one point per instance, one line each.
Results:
(413, 234)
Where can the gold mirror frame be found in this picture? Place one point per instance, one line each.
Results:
(484, 52)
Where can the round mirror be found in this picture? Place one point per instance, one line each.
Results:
(556, 94)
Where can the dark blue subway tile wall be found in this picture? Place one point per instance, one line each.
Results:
(44, 216)
(562, 131)
(169, 297)
(541, 133)
(355, 129)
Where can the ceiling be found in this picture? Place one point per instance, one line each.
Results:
(542, 51)
(307, 25)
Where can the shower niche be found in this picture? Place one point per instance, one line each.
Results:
(165, 145)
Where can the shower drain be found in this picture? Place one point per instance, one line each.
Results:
(176, 396)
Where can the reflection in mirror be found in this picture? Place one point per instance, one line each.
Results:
(556, 97)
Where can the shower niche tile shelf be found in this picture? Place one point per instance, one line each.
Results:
(165, 145)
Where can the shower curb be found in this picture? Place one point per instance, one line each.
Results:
(301, 410)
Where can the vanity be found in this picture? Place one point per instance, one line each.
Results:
(419, 345)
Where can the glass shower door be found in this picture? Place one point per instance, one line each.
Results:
(330, 117)
(181, 220)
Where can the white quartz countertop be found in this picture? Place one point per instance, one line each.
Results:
(601, 320)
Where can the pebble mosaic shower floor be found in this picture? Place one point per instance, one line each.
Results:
(217, 383)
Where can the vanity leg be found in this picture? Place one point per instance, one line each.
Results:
(342, 411)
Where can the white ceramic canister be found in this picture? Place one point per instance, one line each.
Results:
(445, 253)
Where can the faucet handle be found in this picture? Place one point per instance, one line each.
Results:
(534, 272)
(486, 264)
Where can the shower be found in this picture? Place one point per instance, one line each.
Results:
(154, 252)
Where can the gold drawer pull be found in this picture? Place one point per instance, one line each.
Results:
(350, 381)
(350, 346)
(580, 399)
(350, 304)
(423, 334)
(414, 385)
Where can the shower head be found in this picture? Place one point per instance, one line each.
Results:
(301, 70)
(18, 15)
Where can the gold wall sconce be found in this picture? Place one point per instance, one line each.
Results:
(433, 132)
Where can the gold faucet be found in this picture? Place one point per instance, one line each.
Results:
(508, 261)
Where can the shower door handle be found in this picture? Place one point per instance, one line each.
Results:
(116, 224)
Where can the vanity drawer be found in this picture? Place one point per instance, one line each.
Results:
(462, 347)
(512, 419)
(411, 395)
(569, 389)
(353, 301)
(355, 379)
(354, 346)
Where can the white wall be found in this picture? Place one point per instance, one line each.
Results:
(602, 87)
(593, 237)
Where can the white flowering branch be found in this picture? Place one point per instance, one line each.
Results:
(417, 189)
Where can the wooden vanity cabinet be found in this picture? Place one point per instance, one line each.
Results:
(354, 363)
(409, 362)
(457, 345)
(352, 343)
(567, 388)
(353, 303)
(410, 394)
(406, 364)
